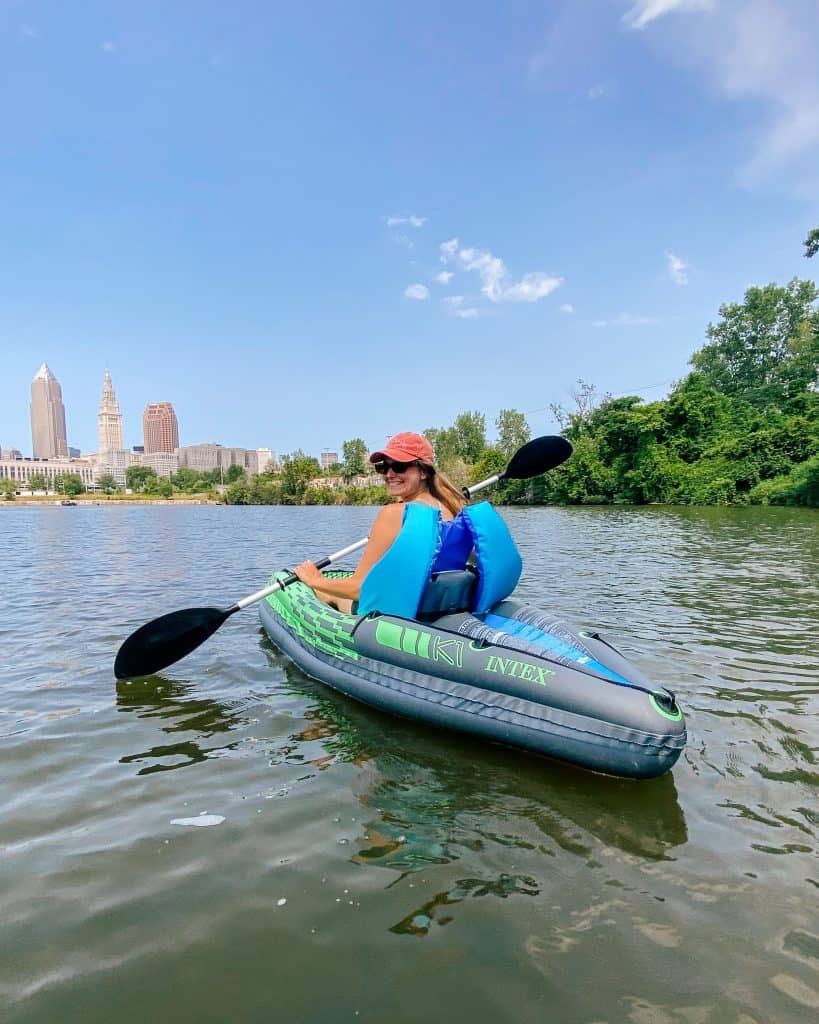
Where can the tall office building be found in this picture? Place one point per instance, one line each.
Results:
(48, 436)
(160, 431)
(109, 419)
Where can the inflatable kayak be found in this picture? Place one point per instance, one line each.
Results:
(513, 675)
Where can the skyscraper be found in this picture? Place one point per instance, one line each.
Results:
(160, 430)
(48, 436)
(109, 419)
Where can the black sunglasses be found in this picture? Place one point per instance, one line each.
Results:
(384, 466)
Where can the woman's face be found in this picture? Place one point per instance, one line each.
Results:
(404, 486)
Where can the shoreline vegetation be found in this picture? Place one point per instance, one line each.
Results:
(741, 428)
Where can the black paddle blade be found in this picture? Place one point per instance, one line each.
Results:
(163, 641)
(537, 456)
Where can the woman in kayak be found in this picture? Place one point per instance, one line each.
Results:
(407, 465)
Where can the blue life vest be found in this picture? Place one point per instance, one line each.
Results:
(395, 585)
(455, 545)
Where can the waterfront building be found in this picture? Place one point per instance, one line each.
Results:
(48, 434)
(328, 459)
(114, 462)
(21, 470)
(10, 453)
(163, 463)
(160, 430)
(206, 457)
(265, 460)
(74, 453)
(109, 418)
(337, 483)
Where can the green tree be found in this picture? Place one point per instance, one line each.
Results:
(264, 489)
(354, 457)
(164, 487)
(8, 488)
(812, 243)
(470, 431)
(234, 473)
(297, 472)
(444, 441)
(107, 484)
(72, 484)
(140, 478)
(513, 431)
(38, 482)
(239, 493)
(799, 487)
(188, 480)
(572, 422)
(760, 349)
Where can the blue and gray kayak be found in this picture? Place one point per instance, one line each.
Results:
(513, 676)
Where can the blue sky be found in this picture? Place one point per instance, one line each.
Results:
(306, 223)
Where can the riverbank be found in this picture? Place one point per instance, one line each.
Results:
(51, 501)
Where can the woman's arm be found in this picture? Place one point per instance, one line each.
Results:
(385, 529)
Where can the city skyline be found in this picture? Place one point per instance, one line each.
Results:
(47, 408)
(508, 200)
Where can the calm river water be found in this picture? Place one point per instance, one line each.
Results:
(233, 842)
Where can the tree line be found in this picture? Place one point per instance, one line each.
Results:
(741, 427)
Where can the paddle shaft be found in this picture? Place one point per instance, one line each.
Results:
(469, 491)
(292, 577)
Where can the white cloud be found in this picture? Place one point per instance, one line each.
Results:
(29, 31)
(677, 268)
(596, 91)
(531, 288)
(643, 12)
(108, 47)
(627, 320)
(448, 250)
(567, 307)
(762, 50)
(417, 291)
(444, 277)
(455, 304)
(412, 220)
(494, 276)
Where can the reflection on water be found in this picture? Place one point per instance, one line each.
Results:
(435, 910)
(155, 697)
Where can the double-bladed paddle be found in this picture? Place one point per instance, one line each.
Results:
(165, 640)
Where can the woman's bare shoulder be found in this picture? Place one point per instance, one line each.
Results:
(392, 513)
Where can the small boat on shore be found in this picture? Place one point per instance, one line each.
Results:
(514, 675)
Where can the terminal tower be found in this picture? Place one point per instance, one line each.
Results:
(109, 419)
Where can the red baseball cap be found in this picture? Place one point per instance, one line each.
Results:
(405, 447)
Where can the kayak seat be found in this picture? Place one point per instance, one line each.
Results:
(452, 590)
